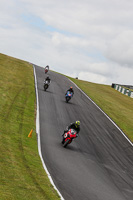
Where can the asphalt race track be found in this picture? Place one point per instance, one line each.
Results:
(98, 165)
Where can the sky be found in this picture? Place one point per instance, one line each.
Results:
(88, 39)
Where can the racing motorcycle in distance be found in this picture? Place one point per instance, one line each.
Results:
(46, 85)
(68, 96)
(46, 69)
(68, 137)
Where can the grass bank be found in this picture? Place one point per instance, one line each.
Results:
(117, 106)
(22, 174)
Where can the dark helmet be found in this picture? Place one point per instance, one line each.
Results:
(77, 123)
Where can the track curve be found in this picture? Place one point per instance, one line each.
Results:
(98, 164)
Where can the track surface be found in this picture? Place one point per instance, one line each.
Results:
(99, 163)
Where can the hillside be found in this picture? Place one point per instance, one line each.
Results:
(22, 174)
(21, 170)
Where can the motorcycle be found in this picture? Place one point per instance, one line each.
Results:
(68, 137)
(46, 69)
(46, 85)
(68, 96)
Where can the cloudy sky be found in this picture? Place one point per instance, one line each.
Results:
(91, 39)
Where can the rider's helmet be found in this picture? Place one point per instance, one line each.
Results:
(71, 89)
(77, 124)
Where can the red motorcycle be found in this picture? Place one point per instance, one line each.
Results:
(68, 137)
(46, 69)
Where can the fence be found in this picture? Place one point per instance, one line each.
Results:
(123, 90)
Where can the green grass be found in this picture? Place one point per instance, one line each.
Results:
(21, 171)
(117, 106)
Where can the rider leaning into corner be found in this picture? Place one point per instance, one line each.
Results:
(75, 126)
(71, 90)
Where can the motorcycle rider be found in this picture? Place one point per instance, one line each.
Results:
(47, 79)
(75, 126)
(70, 90)
(47, 67)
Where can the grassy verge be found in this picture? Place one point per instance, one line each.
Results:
(117, 106)
(22, 174)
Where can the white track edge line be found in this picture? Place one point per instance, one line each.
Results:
(39, 143)
(103, 113)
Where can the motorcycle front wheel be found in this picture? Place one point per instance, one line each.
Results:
(45, 87)
(66, 143)
(67, 99)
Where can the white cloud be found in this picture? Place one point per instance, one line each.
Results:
(91, 39)
(92, 77)
(120, 49)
